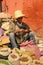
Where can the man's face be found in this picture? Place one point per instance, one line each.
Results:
(20, 19)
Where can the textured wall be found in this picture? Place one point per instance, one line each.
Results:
(33, 9)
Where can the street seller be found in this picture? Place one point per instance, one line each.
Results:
(22, 32)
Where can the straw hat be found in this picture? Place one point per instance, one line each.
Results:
(4, 15)
(5, 26)
(18, 14)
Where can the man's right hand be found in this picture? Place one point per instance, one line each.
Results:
(21, 30)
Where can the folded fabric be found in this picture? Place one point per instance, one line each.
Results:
(1, 31)
(41, 53)
(26, 43)
(5, 39)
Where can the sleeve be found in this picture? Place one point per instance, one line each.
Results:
(25, 26)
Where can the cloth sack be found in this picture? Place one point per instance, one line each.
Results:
(31, 46)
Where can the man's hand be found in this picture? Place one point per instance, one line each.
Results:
(21, 30)
(17, 31)
(26, 31)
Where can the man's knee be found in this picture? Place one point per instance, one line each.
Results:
(31, 34)
(11, 34)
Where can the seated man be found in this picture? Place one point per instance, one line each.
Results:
(22, 32)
